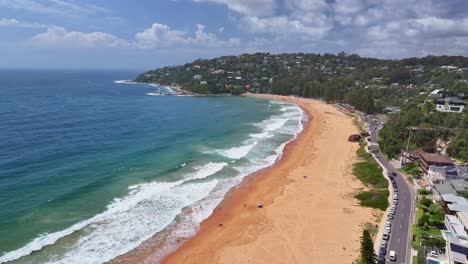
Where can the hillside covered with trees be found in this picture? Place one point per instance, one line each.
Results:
(366, 83)
(369, 85)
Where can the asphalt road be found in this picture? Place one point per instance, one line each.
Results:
(400, 229)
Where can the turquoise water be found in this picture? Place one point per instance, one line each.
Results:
(91, 168)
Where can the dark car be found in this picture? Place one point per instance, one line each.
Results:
(382, 251)
(394, 174)
(381, 259)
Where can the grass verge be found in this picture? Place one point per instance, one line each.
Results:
(370, 174)
(375, 199)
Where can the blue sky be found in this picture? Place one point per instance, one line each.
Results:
(144, 34)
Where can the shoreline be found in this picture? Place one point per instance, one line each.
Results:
(239, 232)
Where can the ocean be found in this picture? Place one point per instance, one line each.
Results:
(90, 167)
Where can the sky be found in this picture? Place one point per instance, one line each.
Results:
(145, 34)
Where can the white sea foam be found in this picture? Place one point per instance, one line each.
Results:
(238, 152)
(150, 207)
(127, 221)
(261, 135)
(206, 170)
(274, 124)
(125, 82)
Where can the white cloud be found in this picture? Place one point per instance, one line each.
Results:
(307, 5)
(58, 36)
(158, 36)
(248, 7)
(11, 22)
(56, 7)
(162, 36)
(314, 28)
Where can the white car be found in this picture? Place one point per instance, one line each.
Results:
(388, 230)
(392, 255)
(388, 224)
(386, 236)
(383, 244)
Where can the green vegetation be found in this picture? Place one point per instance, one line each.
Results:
(429, 220)
(393, 137)
(368, 84)
(420, 257)
(411, 168)
(375, 199)
(361, 82)
(368, 255)
(369, 172)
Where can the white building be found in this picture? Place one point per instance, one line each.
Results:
(456, 238)
(450, 104)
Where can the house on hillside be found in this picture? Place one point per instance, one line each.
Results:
(450, 104)
(435, 159)
(440, 174)
(456, 240)
(439, 93)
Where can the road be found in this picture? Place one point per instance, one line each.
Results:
(400, 230)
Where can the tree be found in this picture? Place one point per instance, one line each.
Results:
(423, 220)
(368, 255)
(424, 201)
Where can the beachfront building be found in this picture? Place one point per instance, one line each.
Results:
(450, 105)
(433, 159)
(456, 238)
(453, 203)
(440, 174)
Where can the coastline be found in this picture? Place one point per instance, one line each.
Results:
(304, 204)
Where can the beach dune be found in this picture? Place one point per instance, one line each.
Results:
(309, 213)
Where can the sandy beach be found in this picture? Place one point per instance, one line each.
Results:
(309, 213)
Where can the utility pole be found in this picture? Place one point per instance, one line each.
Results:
(423, 129)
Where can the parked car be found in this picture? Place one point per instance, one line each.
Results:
(386, 236)
(382, 251)
(388, 230)
(388, 224)
(394, 174)
(383, 243)
(391, 217)
(392, 255)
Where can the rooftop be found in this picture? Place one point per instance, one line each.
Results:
(463, 216)
(460, 186)
(455, 100)
(444, 189)
(436, 158)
